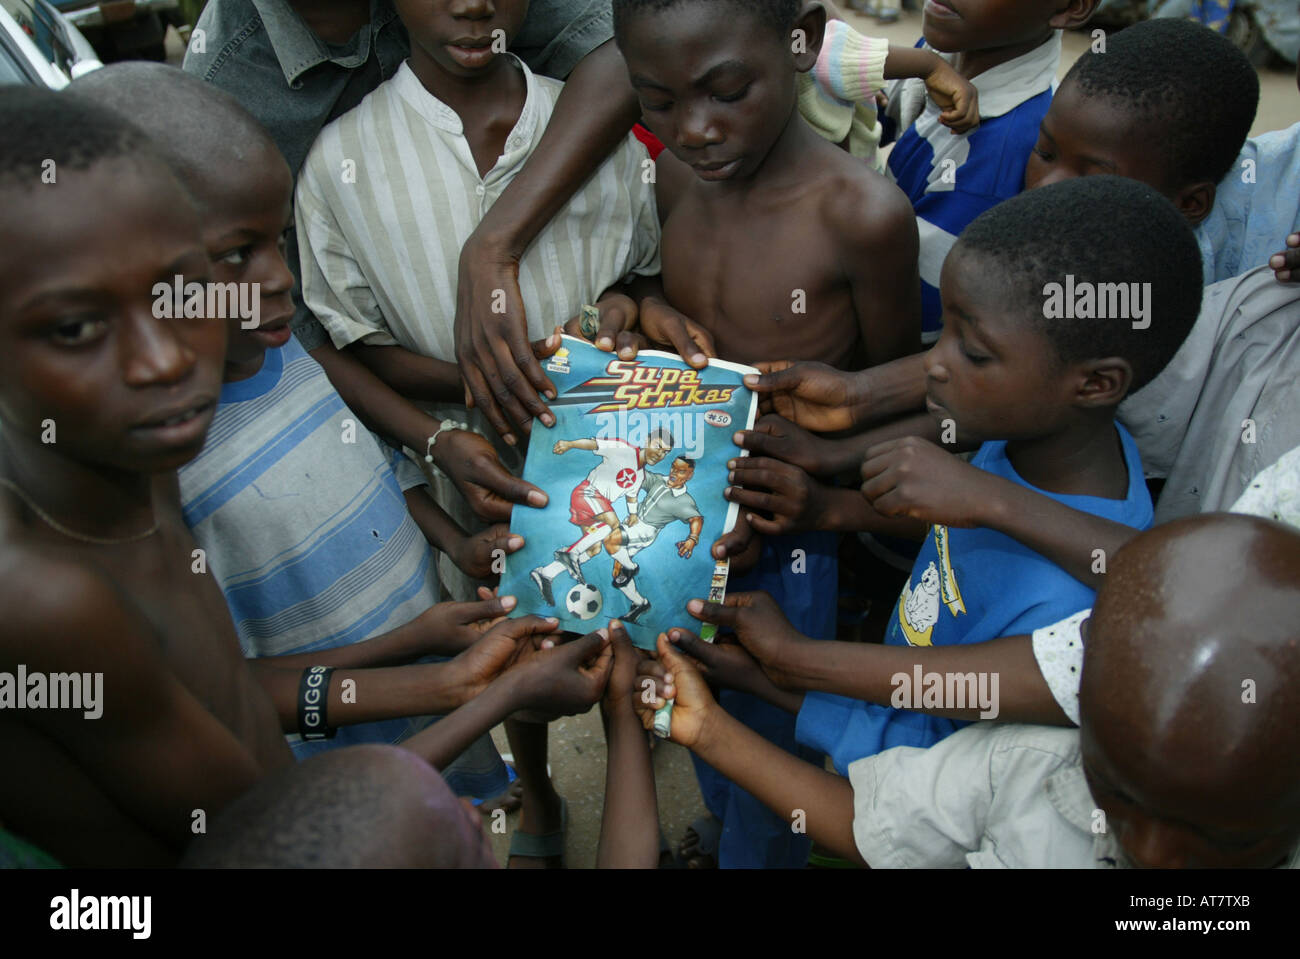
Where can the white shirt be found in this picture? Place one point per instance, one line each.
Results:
(1228, 403)
(1058, 649)
(990, 796)
(619, 472)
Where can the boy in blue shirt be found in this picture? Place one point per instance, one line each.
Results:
(1037, 382)
(1010, 52)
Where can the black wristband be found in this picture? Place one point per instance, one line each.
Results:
(313, 691)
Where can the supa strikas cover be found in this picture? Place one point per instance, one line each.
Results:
(635, 467)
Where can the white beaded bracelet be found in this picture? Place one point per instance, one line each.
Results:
(445, 425)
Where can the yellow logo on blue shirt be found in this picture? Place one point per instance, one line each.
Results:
(918, 607)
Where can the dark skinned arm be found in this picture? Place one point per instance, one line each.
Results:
(823, 399)
(798, 503)
(878, 247)
(444, 629)
(784, 783)
(565, 680)
(914, 478)
(827, 457)
(629, 824)
(467, 458)
(379, 406)
(413, 376)
(387, 692)
(864, 670)
(594, 112)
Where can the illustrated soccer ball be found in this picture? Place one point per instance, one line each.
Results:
(583, 601)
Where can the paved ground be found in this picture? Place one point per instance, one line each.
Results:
(577, 749)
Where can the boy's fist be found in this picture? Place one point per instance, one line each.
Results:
(664, 325)
(476, 556)
(510, 643)
(795, 500)
(569, 679)
(956, 96)
(1286, 265)
(913, 477)
(778, 438)
(812, 395)
(454, 627)
(761, 629)
(694, 703)
(473, 466)
(615, 330)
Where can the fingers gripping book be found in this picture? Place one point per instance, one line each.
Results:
(635, 468)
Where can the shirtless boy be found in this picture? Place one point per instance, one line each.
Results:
(775, 242)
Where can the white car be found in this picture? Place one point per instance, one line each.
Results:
(39, 45)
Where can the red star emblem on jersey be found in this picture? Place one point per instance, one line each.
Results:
(625, 479)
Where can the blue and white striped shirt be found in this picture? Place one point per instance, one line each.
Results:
(301, 515)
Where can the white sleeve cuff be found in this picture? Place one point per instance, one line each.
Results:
(1058, 650)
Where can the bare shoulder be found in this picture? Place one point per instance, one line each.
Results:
(863, 207)
(62, 611)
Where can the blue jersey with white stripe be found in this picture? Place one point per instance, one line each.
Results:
(951, 179)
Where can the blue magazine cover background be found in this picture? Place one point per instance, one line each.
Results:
(623, 416)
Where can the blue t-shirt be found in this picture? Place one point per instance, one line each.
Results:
(968, 586)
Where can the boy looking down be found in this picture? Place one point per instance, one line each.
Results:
(772, 236)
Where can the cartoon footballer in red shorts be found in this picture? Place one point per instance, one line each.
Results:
(620, 472)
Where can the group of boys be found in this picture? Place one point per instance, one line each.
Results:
(251, 529)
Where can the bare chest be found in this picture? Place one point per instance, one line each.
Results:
(767, 286)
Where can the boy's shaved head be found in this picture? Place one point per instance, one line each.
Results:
(1099, 230)
(47, 134)
(363, 807)
(202, 131)
(1190, 694)
(780, 14)
(1194, 93)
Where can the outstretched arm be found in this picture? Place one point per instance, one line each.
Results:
(866, 671)
(629, 826)
(593, 113)
(914, 478)
(792, 788)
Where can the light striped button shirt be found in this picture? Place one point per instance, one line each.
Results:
(390, 193)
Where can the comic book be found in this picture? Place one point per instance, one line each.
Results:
(635, 468)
